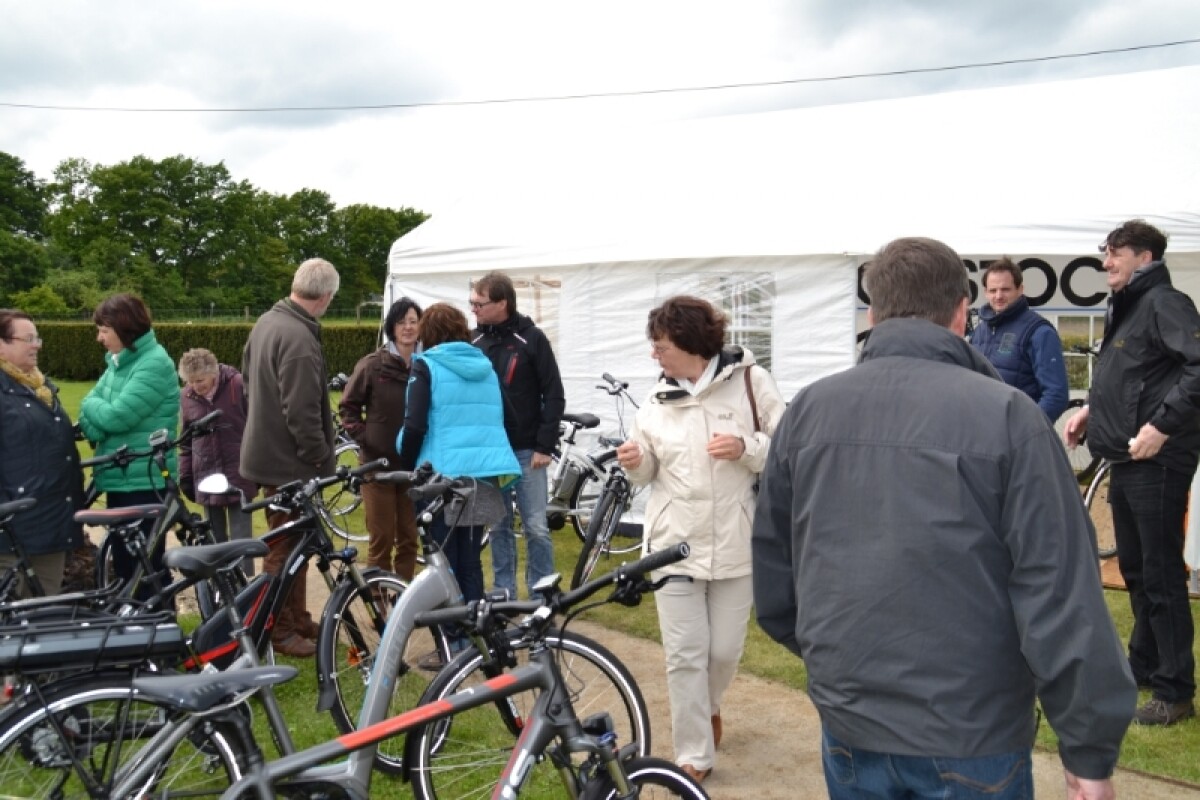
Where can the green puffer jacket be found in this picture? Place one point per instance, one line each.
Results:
(137, 395)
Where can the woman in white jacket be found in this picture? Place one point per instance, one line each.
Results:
(700, 441)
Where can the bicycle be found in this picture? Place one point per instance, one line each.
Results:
(340, 503)
(577, 478)
(587, 760)
(370, 689)
(1094, 477)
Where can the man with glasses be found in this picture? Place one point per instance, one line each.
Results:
(1143, 414)
(533, 406)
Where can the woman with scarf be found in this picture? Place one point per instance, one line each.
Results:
(38, 457)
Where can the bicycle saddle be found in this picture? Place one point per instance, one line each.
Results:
(199, 693)
(203, 560)
(119, 516)
(587, 421)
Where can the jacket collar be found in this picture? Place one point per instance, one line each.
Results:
(668, 389)
(514, 323)
(992, 317)
(918, 338)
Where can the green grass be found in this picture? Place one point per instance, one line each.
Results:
(1167, 752)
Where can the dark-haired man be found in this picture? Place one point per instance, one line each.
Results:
(1143, 414)
(533, 405)
(936, 574)
(1021, 344)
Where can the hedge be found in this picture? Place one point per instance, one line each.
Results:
(70, 351)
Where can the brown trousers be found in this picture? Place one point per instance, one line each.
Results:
(392, 525)
(294, 616)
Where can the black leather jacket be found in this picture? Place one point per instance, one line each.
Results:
(534, 400)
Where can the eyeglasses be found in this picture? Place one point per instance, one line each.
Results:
(659, 349)
(475, 306)
(26, 339)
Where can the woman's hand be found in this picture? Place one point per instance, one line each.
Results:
(629, 455)
(726, 446)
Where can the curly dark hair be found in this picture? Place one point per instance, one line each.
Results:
(442, 323)
(1139, 236)
(396, 313)
(693, 325)
(127, 315)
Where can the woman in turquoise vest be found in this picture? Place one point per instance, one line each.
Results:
(454, 419)
(137, 395)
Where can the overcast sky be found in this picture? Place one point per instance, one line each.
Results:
(222, 55)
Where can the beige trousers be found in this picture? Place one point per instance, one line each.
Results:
(48, 567)
(703, 626)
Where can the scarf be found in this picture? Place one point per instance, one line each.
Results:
(34, 380)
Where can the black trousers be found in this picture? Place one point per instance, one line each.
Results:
(1149, 503)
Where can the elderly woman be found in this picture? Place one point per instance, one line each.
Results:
(372, 411)
(38, 458)
(700, 442)
(454, 420)
(137, 395)
(211, 386)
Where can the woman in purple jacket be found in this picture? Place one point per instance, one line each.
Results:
(211, 386)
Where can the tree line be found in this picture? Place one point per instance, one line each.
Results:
(179, 233)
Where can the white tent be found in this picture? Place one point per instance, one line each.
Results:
(772, 214)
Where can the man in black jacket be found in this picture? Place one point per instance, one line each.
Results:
(921, 543)
(1143, 414)
(533, 405)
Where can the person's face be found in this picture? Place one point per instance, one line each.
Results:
(674, 363)
(1001, 290)
(108, 337)
(21, 349)
(405, 331)
(203, 384)
(488, 312)
(1120, 264)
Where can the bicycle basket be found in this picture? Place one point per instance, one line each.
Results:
(478, 504)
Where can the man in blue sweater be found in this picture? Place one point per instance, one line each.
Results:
(1021, 344)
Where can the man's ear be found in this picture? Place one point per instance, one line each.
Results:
(870, 318)
(959, 323)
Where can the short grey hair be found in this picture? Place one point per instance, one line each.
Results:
(196, 363)
(314, 279)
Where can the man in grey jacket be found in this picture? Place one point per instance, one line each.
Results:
(289, 428)
(921, 543)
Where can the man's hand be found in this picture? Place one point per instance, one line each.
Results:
(539, 461)
(726, 446)
(1076, 427)
(1088, 789)
(1147, 444)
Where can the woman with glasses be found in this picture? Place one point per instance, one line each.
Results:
(137, 395)
(38, 457)
(700, 442)
(372, 411)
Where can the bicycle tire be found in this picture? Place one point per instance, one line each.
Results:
(98, 726)
(1099, 509)
(1079, 456)
(340, 659)
(341, 506)
(600, 531)
(654, 778)
(464, 755)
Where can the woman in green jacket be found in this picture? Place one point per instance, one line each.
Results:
(137, 395)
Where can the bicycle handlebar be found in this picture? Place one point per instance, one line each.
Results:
(625, 573)
(159, 443)
(296, 493)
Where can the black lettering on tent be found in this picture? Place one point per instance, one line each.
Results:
(1047, 271)
(1068, 274)
(862, 293)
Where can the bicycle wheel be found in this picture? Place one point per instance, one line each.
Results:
(1096, 500)
(340, 506)
(87, 735)
(1080, 457)
(654, 778)
(463, 756)
(347, 656)
(604, 522)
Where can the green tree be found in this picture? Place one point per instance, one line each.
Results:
(363, 236)
(40, 301)
(22, 199)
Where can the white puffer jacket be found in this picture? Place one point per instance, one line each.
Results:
(695, 498)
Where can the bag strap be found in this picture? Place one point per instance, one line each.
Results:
(750, 395)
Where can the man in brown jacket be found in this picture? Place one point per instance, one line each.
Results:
(289, 429)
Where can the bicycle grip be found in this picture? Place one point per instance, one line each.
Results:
(428, 491)
(657, 560)
(370, 466)
(442, 616)
(255, 505)
(397, 476)
(205, 421)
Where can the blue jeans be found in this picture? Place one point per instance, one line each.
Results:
(462, 547)
(854, 774)
(532, 496)
(1148, 507)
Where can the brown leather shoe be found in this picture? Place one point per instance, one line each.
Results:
(309, 628)
(294, 645)
(698, 775)
(716, 723)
